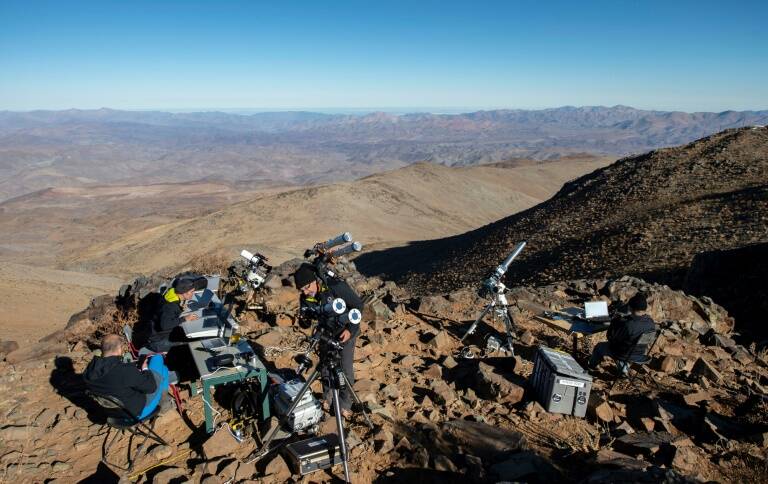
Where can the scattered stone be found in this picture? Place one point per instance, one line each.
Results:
(444, 394)
(449, 362)
(670, 364)
(161, 452)
(434, 371)
(694, 398)
(610, 457)
(440, 341)
(604, 412)
(391, 391)
(701, 367)
(443, 463)
(60, 466)
(527, 338)
(384, 441)
(686, 459)
(168, 474)
(220, 444)
(492, 386)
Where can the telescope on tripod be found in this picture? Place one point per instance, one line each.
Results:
(498, 306)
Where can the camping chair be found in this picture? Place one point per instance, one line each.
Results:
(120, 419)
(649, 341)
(173, 377)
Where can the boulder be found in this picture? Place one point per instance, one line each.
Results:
(493, 386)
(483, 440)
(703, 368)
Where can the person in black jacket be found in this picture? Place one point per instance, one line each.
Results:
(315, 293)
(139, 390)
(622, 335)
(169, 315)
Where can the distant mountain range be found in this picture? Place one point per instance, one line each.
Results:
(41, 149)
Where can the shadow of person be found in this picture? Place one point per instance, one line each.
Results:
(70, 385)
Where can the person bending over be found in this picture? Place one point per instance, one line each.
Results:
(622, 335)
(315, 293)
(169, 315)
(139, 390)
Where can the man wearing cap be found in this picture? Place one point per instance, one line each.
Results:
(315, 292)
(169, 315)
(622, 335)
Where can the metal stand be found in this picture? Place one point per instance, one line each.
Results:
(336, 379)
(500, 312)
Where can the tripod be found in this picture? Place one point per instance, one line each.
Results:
(330, 367)
(500, 312)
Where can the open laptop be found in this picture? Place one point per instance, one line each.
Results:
(596, 312)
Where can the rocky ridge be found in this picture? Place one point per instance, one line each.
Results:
(698, 413)
(646, 215)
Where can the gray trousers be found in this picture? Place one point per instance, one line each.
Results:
(347, 362)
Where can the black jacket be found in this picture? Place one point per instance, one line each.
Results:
(337, 288)
(623, 332)
(111, 376)
(167, 318)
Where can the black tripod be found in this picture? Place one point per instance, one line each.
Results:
(330, 367)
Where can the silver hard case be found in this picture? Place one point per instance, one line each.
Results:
(559, 383)
(307, 413)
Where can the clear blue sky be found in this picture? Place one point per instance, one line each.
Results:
(686, 55)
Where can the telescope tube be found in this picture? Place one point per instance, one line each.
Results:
(354, 247)
(338, 240)
(502, 269)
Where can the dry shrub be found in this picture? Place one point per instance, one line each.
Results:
(210, 263)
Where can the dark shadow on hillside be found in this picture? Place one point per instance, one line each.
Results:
(70, 385)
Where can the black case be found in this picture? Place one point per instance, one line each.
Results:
(313, 454)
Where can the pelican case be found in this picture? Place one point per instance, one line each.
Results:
(560, 384)
(313, 454)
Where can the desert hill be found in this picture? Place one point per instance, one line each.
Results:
(382, 210)
(645, 215)
(43, 149)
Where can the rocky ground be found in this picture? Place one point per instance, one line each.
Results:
(698, 413)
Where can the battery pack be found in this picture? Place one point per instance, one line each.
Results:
(313, 454)
(560, 384)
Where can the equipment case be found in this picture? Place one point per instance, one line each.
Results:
(313, 454)
(560, 384)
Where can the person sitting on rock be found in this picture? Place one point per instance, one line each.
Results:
(169, 315)
(139, 390)
(622, 334)
(315, 293)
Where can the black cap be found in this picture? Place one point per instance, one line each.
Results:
(183, 285)
(638, 302)
(305, 274)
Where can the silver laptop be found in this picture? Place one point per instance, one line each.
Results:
(596, 311)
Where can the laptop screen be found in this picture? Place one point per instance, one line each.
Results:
(595, 309)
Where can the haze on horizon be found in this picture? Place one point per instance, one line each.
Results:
(181, 56)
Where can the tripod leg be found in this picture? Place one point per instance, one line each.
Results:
(477, 321)
(282, 421)
(358, 401)
(510, 327)
(340, 430)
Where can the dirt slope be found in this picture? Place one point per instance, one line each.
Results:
(417, 202)
(646, 215)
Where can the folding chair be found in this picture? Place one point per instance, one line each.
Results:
(120, 419)
(647, 340)
(136, 353)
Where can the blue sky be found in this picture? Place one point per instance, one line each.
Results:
(681, 55)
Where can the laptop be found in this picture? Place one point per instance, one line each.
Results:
(596, 312)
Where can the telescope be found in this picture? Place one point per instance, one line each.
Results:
(493, 284)
(338, 240)
(353, 247)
